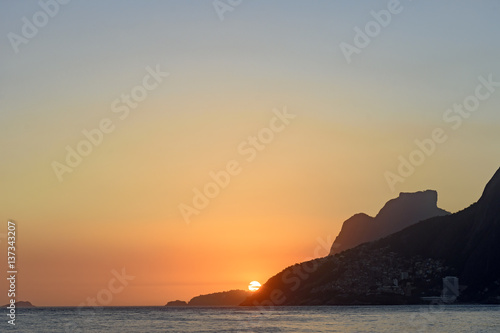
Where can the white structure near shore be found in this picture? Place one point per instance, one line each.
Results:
(451, 289)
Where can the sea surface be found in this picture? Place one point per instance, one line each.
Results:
(436, 318)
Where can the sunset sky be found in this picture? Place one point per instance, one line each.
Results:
(119, 207)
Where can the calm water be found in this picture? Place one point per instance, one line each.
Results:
(459, 318)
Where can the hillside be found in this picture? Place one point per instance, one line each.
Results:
(405, 266)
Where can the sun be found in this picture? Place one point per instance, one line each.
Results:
(254, 286)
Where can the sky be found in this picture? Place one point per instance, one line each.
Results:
(158, 150)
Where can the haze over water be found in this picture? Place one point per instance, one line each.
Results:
(279, 319)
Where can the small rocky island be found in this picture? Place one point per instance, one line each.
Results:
(225, 298)
(21, 304)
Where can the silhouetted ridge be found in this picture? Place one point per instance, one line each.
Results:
(397, 214)
(483, 247)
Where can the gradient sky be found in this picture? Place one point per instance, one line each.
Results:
(120, 207)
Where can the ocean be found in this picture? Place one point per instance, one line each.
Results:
(414, 318)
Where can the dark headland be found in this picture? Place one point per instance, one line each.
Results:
(225, 298)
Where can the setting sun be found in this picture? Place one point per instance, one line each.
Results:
(254, 286)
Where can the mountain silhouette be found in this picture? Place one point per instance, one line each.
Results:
(397, 214)
(405, 266)
(469, 240)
